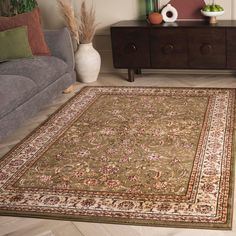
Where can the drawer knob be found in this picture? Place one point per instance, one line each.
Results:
(133, 47)
(206, 49)
(130, 48)
(167, 49)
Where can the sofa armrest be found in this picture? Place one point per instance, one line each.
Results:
(60, 45)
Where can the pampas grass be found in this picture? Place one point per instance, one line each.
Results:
(87, 27)
(70, 18)
(83, 30)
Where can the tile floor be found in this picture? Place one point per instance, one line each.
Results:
(14, 226)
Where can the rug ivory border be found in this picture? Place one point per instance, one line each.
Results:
(32, 212)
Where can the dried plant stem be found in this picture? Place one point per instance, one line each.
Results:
(69, 16)
(87, 26)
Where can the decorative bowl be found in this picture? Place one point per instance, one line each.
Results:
(212, 15)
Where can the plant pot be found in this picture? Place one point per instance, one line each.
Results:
(87, 63)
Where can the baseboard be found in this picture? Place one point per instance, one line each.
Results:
(165, 71)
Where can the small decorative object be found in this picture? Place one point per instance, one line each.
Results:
(155, 18)
(156, 5)
(169, 14)
(87, 59)
(150, 7)
(212, 11)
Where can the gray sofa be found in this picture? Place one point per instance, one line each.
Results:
(28, 84)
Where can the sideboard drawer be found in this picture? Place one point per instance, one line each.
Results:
(207, 48)
(130, 47)
(168, 48)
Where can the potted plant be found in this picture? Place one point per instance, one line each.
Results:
(87, 59)
(5, 8)
(22, 6)
(14, 7)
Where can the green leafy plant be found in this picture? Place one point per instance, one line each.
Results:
(14, 7)
(21, 6)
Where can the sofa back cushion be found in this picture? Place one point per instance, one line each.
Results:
(35, 33)
(60, 45)
(14, 44)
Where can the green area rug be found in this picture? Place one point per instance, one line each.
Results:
(148, 156)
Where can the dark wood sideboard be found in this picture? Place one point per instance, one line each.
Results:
(138, 45)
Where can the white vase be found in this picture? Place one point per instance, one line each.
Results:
(87, 63)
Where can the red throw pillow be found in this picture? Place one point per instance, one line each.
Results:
(35, 32)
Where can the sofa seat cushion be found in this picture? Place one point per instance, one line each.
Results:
(43, 70)
(14, 91)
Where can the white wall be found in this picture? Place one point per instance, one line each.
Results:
(108, 12)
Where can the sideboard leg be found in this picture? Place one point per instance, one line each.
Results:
(131, 75)
(138, 71)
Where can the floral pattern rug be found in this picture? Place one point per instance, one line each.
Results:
(128, 155)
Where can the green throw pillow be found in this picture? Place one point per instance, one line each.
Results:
(14, 44)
